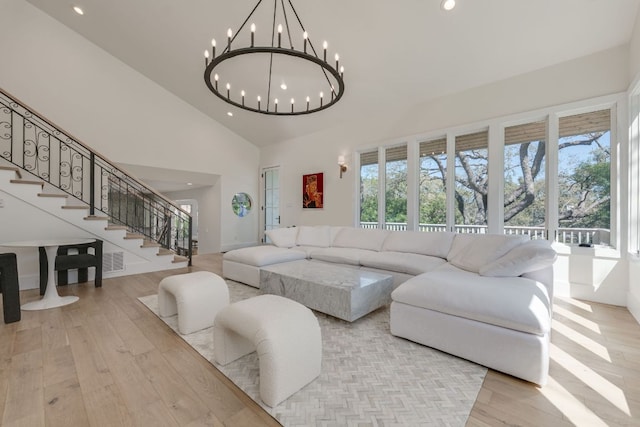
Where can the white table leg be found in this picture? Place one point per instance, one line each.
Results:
(51, 298)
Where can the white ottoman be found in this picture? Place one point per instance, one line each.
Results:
(196, 298)
(286, 336)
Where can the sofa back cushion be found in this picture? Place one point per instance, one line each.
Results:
(319, 236)
(283, 237)
(472, 251)
(360, 238)
(419, 242)
(525, 258)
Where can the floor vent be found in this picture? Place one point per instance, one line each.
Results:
(112, 261)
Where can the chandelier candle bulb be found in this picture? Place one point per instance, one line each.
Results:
(279, 34)
(308, 103)
(342, 71)
(229, 34)
(206, 58)
(259, 99)
(253, 33)
(275, 103)
(325, 45)
(242, 94)
(292, 101)
(228, 89)
(337, 61)
(305, 36)
(213, 48)
(321, 96)
(215, 77)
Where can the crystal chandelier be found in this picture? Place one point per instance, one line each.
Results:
(266, 72)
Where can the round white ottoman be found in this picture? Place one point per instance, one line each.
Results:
(195, 297)
(286, 335)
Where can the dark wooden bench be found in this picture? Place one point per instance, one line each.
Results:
(9, 287)
(80, 261)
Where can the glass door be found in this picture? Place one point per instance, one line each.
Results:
(271, 199)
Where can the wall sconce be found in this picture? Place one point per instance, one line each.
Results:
(342, 164)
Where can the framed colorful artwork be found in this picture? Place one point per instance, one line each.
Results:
(312, 191)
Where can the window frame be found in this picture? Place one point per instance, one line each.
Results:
(496, 128)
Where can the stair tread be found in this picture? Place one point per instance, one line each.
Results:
(115, 227)
(27, 181)
(96, 218)
(178, 258)
(133, 236)
(75, 207)
(53, 195)
(12, 168)
(150, 245)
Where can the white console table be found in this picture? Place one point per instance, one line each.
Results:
(51, 298)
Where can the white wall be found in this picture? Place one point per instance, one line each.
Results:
(634, 50)
(633, 297)
(633, 301)
(117, 111)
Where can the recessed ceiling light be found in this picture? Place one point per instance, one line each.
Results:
(189, 183)
(448, 4)
(78, 10)
(283, 86)
(229, 113)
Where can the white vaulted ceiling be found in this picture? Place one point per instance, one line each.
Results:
(397, 54)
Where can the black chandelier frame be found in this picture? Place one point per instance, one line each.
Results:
(229, 53)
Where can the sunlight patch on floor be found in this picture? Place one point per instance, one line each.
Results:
(586, 342)
(592, 326)
(601, 385)
(572, 408)
(579, 304)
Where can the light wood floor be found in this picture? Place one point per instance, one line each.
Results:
(107, 360)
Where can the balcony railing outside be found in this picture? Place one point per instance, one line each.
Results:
(569, 236)
(33, 144)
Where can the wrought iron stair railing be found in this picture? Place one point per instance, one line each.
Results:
(34, 144)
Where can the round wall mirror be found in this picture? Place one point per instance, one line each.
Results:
(241, 204)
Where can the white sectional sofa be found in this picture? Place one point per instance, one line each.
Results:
(485, 298)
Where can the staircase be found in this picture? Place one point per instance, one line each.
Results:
(49, 175)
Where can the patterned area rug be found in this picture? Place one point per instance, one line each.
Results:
(369, 377)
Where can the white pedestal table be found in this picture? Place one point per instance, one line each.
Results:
(51, 298)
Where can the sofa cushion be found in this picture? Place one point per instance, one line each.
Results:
(525, 258)
(319, 236)
(401, 262)
(510, 302)
(419, 242)
(472, 251)
(263, 255)
(283, 237)
(350, 256)
(360, 238)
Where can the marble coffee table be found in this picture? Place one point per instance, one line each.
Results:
(342, 292)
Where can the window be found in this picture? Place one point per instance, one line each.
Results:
(369, 189)
(472, 183)
(432, 186)
(584, 178)
(556, 168)
(524, 179)
(396, 188)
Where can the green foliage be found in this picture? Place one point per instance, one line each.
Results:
(584, 186)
